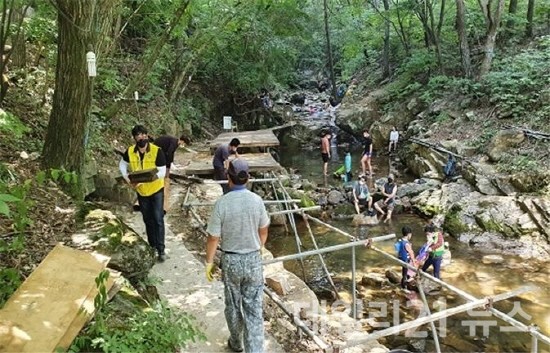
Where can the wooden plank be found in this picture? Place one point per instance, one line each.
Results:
(257, 138)
(38, 315)
(88, 310)
(202, 164)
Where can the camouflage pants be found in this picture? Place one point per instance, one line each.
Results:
(243, 288)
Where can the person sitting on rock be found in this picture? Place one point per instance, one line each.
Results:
(361, 195)
(388, 201)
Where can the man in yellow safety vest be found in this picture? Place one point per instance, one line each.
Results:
(141, 156)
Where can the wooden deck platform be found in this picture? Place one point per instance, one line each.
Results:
(202, 164)
(53, 304)
(257, 138)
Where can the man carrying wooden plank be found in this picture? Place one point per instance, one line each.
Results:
(220, 162)
(141, 157)
(169, 145)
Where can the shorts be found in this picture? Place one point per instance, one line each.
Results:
(325, 157)
(389, 206)
(368, 154)
(363, 202)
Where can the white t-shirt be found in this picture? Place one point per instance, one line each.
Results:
(394, 135)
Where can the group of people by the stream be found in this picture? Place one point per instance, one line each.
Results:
(238, 224)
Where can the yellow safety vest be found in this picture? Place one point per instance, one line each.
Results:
(148, 162)
(441, 249)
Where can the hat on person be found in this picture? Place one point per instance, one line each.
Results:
(238, 170)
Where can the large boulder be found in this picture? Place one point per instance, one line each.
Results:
(503, 141)
(108, 235)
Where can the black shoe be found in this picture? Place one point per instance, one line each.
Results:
(161, 258)
(232, 348)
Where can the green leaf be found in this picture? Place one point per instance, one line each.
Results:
(41, 177)
(55, 174)
(4, 209)
(8, 198)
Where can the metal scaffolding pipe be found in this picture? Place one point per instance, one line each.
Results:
(504, 317)
(312, 236)
(438, 316)
(292, 224)
(329, 249)
(428, 311)
(312, 208)
(266, 202)
(321, 259)
(353, 286)
(251, 180)
(296, 321)
(317, 220)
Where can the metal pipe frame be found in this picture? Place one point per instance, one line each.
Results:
(499, 314)
(266, 202)
(438, 316)
(329, 249)
(296, 321)
(299, 210)
(251, 180)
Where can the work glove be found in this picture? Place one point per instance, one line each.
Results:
(210, 271)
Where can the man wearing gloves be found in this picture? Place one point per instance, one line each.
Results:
(141, 156)
(240, 220)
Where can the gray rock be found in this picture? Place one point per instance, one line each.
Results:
(373, 280)
(503, 141)
(108, 235)
(393, 276)
(335, 197)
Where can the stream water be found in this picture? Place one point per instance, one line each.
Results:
(466, 271)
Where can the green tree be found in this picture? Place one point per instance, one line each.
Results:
(82, 25)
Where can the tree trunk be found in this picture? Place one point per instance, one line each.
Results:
(530, 13)
(77, 23)
(401, 30)
(492, 27)
(386, 53)
(19, 49)
(329, 52)
(148, 62)
(512, 10)
(463, 38)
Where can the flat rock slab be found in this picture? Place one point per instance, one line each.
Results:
(202, 164)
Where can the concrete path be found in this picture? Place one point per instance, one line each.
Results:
(184, 283)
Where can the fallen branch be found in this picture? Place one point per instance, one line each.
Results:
(530, 133)
(435, 147)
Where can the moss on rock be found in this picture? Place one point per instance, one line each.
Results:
(452, 224)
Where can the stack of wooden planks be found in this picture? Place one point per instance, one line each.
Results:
(50, 308)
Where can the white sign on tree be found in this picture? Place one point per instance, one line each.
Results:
(227, 122)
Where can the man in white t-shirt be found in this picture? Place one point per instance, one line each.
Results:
(394, 137)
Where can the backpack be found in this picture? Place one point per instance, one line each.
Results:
(401, 250)
(450, 168)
